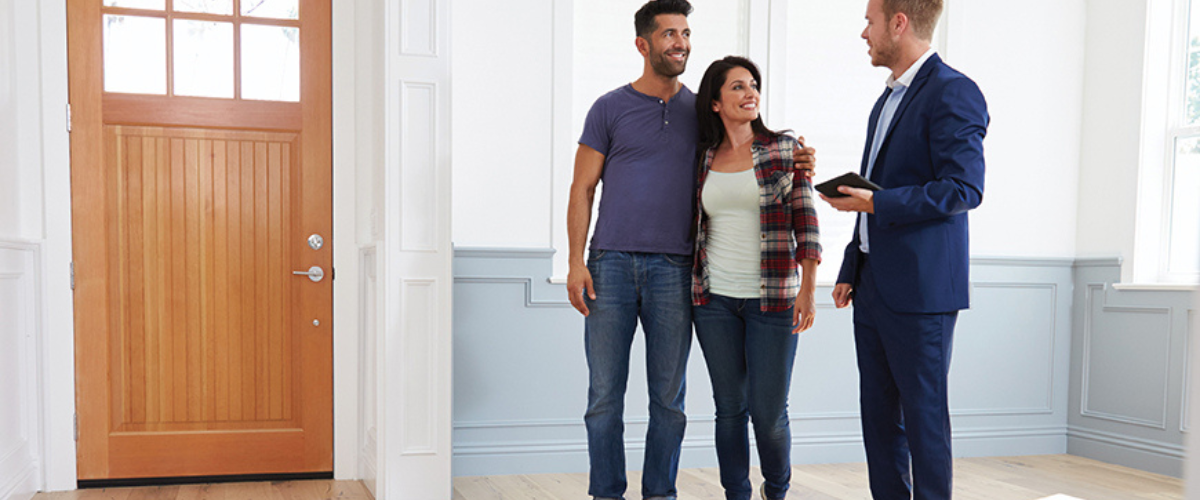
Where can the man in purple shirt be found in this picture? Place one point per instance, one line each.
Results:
(640, 139)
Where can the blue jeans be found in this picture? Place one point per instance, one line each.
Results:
(655, 288)
(750, 354)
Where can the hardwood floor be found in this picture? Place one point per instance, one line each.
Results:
(283, 490)
(994, 478)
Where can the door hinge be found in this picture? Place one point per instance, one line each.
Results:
(72, 275)
(68, 118)
(77, 427)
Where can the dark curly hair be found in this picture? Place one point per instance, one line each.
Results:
(643, 21)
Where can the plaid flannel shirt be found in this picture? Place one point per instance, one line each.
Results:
(786, 209)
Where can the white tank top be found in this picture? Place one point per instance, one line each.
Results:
(731, 202)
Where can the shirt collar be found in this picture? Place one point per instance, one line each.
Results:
(909, 75)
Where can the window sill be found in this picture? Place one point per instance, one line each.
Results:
(1156, 287)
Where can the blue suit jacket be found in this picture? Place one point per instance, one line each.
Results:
(930, 167)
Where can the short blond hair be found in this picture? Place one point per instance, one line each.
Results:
(922, 14)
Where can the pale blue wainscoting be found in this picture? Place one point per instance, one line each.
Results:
(520, 380)
(1129, 370)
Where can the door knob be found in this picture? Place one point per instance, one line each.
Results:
(314, 273)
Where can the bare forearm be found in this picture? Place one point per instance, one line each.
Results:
(579, 220)
(808, 275)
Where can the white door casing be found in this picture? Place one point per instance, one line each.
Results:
(415, 343)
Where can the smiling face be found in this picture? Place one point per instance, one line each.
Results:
(739, 97)
(669, 46)
(881, 42)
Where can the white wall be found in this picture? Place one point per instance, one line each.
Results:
(503, 122)
(20, 189)
(1110, 148)
(10, 178)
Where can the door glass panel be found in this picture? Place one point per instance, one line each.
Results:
(1185, 208)
(276, 9)
(270, 63)
(136, 4)
(203, 58)
(135, 55)
(222, 7)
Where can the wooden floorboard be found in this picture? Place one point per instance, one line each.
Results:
(991, 478)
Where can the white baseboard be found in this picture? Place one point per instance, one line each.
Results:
(23, 485)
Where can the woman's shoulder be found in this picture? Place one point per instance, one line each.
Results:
(783, 142)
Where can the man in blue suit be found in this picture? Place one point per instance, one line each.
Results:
(906, 269)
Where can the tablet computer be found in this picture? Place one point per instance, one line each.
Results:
(830, 187)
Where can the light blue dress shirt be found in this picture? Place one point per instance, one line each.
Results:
(899, 86)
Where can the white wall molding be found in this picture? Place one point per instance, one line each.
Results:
(418, 28)
(22, 485)
(58, 301)
(346, 289)
(367, 331)
(22, 451)
(415, 252)
(1193, 321)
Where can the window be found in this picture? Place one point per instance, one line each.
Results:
(1179, 249)
(230, 49)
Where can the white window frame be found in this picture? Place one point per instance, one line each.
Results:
(1176, 129)
(1164, 94)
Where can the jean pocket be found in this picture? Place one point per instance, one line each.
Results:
(678, 260)
(594, 255)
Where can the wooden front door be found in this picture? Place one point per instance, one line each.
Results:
(201, 164)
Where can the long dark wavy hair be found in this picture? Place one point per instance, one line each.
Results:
(712, 129)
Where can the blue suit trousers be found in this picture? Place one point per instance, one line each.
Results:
(903, 364)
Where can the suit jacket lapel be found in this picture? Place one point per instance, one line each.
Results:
(917, 83)
(872, 124)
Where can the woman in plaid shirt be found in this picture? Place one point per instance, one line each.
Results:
(756, 223)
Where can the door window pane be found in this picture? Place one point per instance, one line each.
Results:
(1185, 208)
(135, 55)
(136, 4)
(203, 58)
(275, 9)
(270, 63)
(222, 7)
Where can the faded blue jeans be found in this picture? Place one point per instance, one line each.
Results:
(655, 288)
(750, 354)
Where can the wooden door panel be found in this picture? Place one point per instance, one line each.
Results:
(177, 218)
